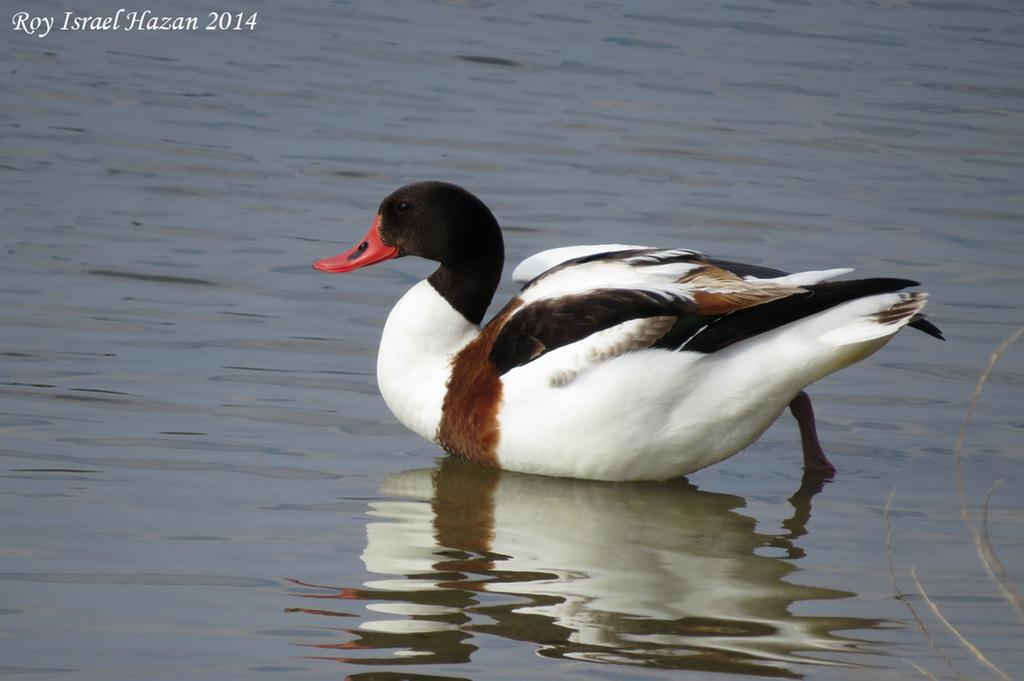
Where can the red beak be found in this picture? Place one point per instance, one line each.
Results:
(371, 250)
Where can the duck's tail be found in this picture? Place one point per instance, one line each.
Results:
(878, 316)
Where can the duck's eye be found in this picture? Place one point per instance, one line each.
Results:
(363, 246)
(404, 206)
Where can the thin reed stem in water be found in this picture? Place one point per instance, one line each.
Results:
(902, 596)
(982, 545)
(997, 569)
(924, 672)
(956, 632)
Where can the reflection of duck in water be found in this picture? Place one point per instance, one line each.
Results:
(649, 574)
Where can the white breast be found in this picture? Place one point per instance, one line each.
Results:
(421, 335)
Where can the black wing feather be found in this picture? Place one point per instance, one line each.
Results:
(922, 324)
(742, 269)
(548, 324)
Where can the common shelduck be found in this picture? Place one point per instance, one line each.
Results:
(615, 362)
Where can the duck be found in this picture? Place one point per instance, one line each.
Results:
(614, 362)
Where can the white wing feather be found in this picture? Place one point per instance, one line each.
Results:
(804, 278)
(539, 263)
(535, 265)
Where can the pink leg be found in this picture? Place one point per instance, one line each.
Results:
(814, 456)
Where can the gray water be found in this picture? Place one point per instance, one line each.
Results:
(199, 479)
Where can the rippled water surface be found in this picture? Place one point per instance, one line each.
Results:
(199, 479)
